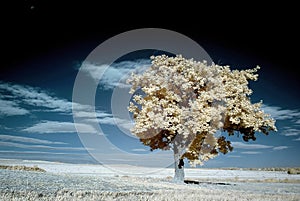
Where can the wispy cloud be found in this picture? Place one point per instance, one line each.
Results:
(27, 95)
(241, 145)
(139, 150)
(251, 152)
(124, 123)
(233, 156)
(34, 143)
(2, 127)
(37, 152)
(288, 131)
(297, 139)
(27, 140)
(10, 108)
(21, 100)
(103, 118)
(90, 114)
(27, 146)
(280, 147)
(115, 74)
(59, 127)
(279, 113)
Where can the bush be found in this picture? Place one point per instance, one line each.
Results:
(22, 167)
(293, 171)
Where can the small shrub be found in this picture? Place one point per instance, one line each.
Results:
(22, 167)
(293, 171)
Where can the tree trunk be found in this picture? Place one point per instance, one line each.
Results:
(179, 168)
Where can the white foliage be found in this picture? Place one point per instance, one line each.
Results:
(187, 97)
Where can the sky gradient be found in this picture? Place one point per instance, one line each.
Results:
(41, 63)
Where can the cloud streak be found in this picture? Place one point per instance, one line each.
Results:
(22, 99)
(251, 152)
(115, 74)
(279, 113)
(124, 123)
(280, 147)
(103, 118)
(27, 146)
(297, 139)
(234, 156)
(10, 108)
(27, 140)
(34, 143)
(139, 150)
(241, 145)
(289, 131)
(30, 96)
(59, 127)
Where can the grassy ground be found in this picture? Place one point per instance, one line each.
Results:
(44, 186)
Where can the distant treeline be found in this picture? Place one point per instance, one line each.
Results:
(22, 167)
(289, 170)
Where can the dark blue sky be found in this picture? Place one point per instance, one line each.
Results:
(45, 44)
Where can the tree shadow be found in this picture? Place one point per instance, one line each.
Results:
(205, 182)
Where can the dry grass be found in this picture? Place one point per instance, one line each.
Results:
(17, 186)
(167, 195)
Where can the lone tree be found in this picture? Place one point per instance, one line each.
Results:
(180, 104)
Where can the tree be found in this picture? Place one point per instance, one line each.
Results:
(188, 106)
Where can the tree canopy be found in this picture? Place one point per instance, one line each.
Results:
(188, 106)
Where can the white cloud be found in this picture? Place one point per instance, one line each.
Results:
(139, 150)
(30, 96)
(233, 156)
(107, 120)
(124, 123)
(297, 139)
(10, 108)
(27, 140)
(104, 118)
(88, 114)
(280, 148)
(60, 127)
(281, 114)
(39, 152)
(127, 125)
(241, 145)
(38, 99)
(251, 152)
(120, 159)
(115, 74)
(287, 131)
(26, 146)
(5, 127)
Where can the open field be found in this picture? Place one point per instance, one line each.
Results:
(95, 182)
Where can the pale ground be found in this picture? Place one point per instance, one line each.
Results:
(96, 182)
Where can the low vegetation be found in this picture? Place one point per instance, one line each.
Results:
(289, 170)
(293, 171)
(22, 167)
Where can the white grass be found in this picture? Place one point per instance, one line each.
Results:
(96, 182)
